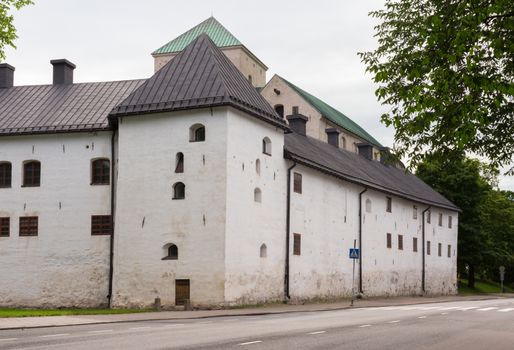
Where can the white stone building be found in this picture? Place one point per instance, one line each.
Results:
(190, 185)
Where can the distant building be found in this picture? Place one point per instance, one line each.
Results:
(193, 185)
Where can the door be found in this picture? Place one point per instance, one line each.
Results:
(181, 291)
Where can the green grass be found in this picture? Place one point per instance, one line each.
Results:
(64, 312)
(482, 287)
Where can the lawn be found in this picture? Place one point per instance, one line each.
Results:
(482, 287)
(64, 312)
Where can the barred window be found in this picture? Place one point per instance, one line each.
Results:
(28, 226)
(5, 226)
(31, 173)
(100, 171)
(101, 225)
(5, 174)
(400, 242)
(297, 183)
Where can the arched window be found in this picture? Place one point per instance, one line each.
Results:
(368, 205)
(343, 139)
(179, 163)
(250, 79)
(266, 146)
(31, 173)
(258, 166)
(257, 195)
(171, 252)
(100, 171)
(179, 191)
(5, 174)
(197, 133)
(280, 110)
(263, 251)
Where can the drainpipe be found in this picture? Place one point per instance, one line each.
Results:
(360, 240)
(111, 243)
(288, 234)
(423, 249)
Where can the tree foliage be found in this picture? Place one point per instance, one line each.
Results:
(446, 68)
(7, 29)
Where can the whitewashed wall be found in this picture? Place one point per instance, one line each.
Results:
(64, 265)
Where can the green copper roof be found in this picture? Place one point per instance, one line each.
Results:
(219, 34)
(334, 115)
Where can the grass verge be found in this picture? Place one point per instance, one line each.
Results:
(65, 312)
(482, 287)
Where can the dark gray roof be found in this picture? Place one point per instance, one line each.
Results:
(199, 76)
(60, 108)
(357, 169)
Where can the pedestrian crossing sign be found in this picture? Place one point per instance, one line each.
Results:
(354, 253)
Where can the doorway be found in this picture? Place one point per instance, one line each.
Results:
(181, 291)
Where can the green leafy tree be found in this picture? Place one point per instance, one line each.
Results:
(446, 68)
(7, 29)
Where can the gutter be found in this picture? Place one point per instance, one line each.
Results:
(360, 239)
(423, 272)
(288, 234)
(111, 243)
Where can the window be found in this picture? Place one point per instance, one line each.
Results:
(389, 205)
(31, 173)
(250, 79)
(368, 205)
(450, 221)
(258, 166)
(280, 110)
(343, 142)
(100, 172)
(449, 250)
(5, 174)
(197, 133)
(440, 219)
(389, 240)
(428, 217)
(179, 191)
(5, 227)
(263, 252)
(295, 110)
(415, 244)
(28, 226)
(257, 195)
(400, 242)
(414, 212)
(297, 183)
(266, 146)
(101, 225)
(428, 247)
(179, 163)
(171, 252)
(297, 244)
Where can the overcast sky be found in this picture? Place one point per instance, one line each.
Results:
(313, 44)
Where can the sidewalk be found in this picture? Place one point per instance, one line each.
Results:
(55, 321)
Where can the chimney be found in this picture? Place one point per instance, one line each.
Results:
(333, 136)
(297, 123)
(365, 150)
(6, 76)
(63, 71)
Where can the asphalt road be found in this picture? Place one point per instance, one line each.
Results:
(486, 324)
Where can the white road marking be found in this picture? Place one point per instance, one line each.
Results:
(54, 335)
(8, 339)
(318, 332)
(422, 317)
(506, 310)
(487, 309)
(139, 328)
(101, 331)
(450, 308)
(468, 308)
(365, 325)
(395, 321)
(251, 342)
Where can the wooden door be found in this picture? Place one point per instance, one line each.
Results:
(181, 291)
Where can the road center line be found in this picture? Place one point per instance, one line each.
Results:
(487, 309)
(251, 342)
(365, 325)
(54, 335)
(468, 308)
(506, 310)
(422, 317)
(318, 332)
(395, 321)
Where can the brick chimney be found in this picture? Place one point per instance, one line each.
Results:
(63, 71)
(6, 76)
(333, 136)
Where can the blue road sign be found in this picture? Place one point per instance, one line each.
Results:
(354, 253)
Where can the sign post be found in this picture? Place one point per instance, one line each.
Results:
(354, 255)
(502, 277)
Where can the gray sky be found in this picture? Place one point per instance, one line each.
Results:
(313, 44)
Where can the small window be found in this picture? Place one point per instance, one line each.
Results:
(179, 191)
(429, 217)
(5, 174)
(368, 205)
(101, 225)
(266, 146)
(297, 244)
(449, 250)
(263, 252)
(171, 253)
(280, 110)
(343, 142)
(400, 242)
(250, 79)
(197, 133)
(389, 205)
(414, 212)
(295, 110)
(439, 249)
(450, 221)
(31, 173)
(297, 183)
(415, 244)
(100, 171)
(5, 227)
(28, 226)
(389, 241)
(179, 163)
(257, 195)
(258, 166)
(440, 219)
(428, 247)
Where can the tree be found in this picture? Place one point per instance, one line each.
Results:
(446, 67)
(7, 29)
